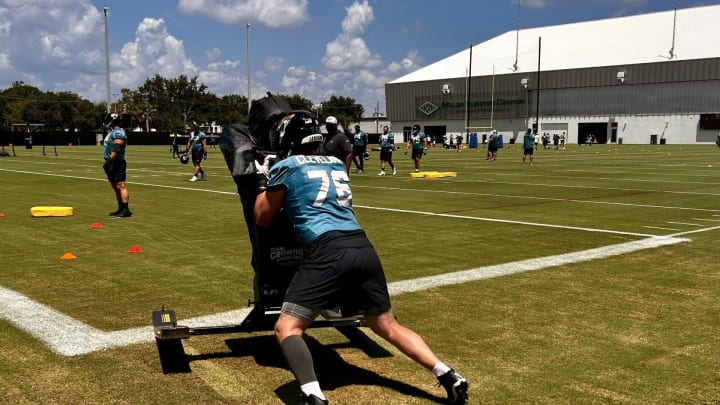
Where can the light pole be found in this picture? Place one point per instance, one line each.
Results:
(107, 63)
(247, 37)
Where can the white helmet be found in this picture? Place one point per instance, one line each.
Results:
(331, 120)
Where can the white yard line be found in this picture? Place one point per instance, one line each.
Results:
(69, 337)
(683, 223)
(505, 221)
(538, 198)
(663, 229)
(482, 273)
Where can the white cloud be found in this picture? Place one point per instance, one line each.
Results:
(154, 51)
(275, 64)
(359, 17)
(534, 3)
(213, 54)
(348, 50)
(36, 35)
(273, 13)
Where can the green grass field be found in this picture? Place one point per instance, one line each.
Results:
(592, 278)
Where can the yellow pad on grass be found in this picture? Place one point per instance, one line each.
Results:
(432, 175)
(52, 211)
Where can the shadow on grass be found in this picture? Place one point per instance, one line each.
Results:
(332, 370)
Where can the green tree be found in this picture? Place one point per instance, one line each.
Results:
(345, 109)
(231, 110)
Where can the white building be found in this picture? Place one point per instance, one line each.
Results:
(650, 78)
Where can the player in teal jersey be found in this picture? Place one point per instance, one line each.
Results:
(197, 145)
(360, 141)
(340, 267)
(418, 142)
(115, 166)
(528, 143)
(387, 144)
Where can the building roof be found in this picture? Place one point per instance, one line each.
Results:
(643, 38)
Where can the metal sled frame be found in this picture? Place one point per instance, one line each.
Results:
(165, 324)
(169, 334)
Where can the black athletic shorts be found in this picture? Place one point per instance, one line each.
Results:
(358, 150)
(115, 170)
(386, 154)
(197, 156)
(417, 153)
(340, 270)
(528, 151)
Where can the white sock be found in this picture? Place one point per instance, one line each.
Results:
(313, 388)
(440, 368)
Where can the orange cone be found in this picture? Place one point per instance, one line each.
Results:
(68, 256)
(135, 249)
(2, 215)
(96, 225)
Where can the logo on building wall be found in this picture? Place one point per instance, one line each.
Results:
(428, 108)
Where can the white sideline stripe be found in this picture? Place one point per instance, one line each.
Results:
(69, 337)
(504, 269)
(505, 221)
(661, 228)
(683, 223)
(525, 197)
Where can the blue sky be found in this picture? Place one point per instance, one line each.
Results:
(315, 48)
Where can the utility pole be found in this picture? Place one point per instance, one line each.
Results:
(537, 94)
(377, 112)
(247, 38)
(107, 63)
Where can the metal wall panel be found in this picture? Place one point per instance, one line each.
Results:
(651, 88)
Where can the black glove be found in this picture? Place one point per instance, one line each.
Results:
(205, 156)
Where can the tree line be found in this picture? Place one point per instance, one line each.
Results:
(165, 105)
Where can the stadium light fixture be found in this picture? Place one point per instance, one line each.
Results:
(621, 77)
(524, 82)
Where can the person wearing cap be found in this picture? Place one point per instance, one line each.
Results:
(418, 142)
(360, 141)
(336, 143)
